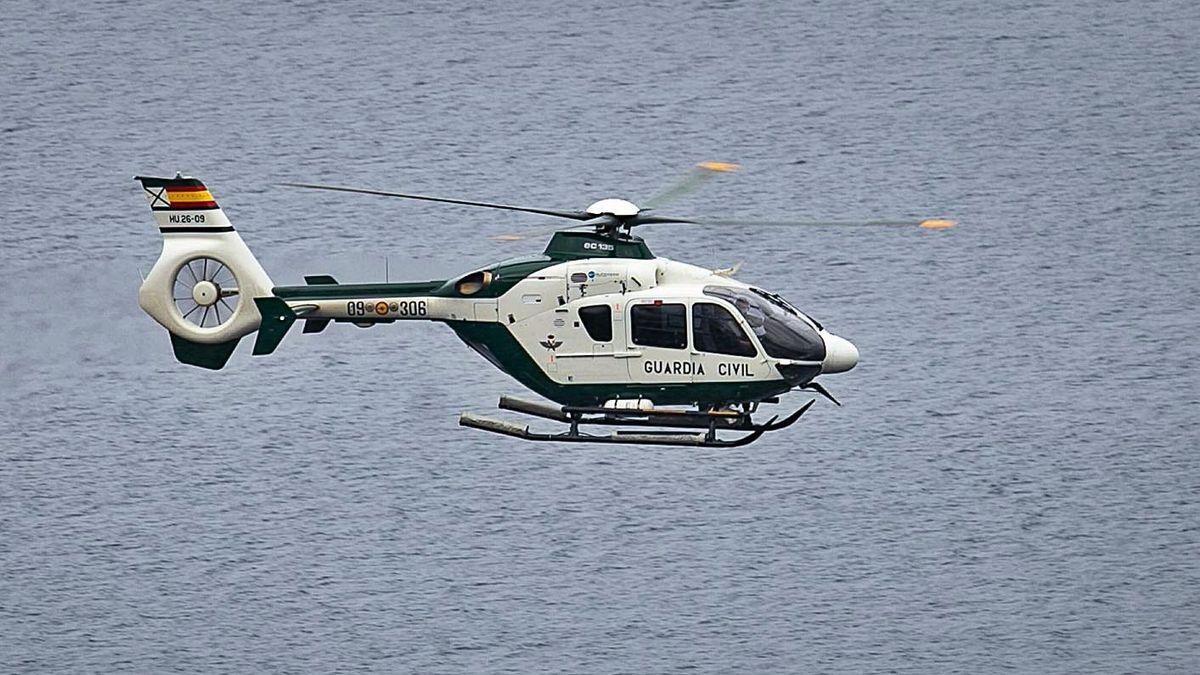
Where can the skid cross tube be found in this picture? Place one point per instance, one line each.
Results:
(649, 437)
(706, 424)
(680, 419)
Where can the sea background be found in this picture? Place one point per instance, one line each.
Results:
(1013, 483)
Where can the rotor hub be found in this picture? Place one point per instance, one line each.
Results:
(206, 293)
(614, 207)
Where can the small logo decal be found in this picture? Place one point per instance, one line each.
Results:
(157, 198)
(550, 343)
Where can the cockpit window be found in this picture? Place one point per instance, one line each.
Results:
(784, 332)
(715, 330)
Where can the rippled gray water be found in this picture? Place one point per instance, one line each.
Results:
(1012, 483)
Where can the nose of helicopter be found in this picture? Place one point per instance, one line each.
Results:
(840, 354)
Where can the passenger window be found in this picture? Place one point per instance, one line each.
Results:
(715, 330)
(659, 325)
(597, 319)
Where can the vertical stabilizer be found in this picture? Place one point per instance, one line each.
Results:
(203, 286)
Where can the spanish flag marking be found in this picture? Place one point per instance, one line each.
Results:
(190, 197)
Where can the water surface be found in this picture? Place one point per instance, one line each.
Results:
(1012, 484)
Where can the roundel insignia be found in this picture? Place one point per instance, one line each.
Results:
(591, 274)
(381, 308)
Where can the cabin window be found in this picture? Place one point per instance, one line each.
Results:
(715, 330)
(597, 319)
(659, 325)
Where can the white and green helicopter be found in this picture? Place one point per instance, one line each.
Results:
(610, 333)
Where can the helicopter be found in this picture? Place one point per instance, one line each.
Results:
(663, 352)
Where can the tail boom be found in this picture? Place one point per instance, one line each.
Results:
(374, 303)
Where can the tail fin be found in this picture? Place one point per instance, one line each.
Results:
(202, 288)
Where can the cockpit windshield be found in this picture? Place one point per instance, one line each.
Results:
(785, 333)
(777, 300)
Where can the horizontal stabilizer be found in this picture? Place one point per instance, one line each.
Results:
(277, 318)
(319, 280)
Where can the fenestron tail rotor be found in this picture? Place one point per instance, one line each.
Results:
(205, 291)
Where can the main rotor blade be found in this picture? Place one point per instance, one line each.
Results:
(522, 236)
(597, 222)
(928, 223)
(640, 219)
(689, 182)
(572, 215)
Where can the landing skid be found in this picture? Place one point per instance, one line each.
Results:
(706, 424)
